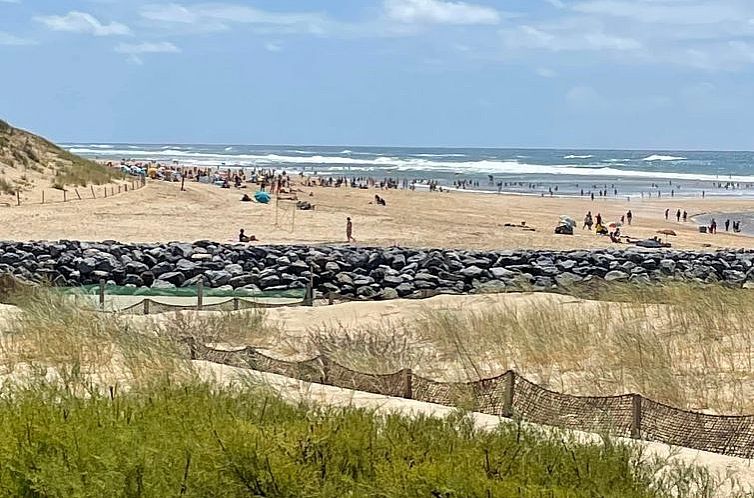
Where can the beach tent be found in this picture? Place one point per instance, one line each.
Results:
(262, 197)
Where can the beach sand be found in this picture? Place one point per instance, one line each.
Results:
(161, 212)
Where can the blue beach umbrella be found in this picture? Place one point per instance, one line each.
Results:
(262, 197)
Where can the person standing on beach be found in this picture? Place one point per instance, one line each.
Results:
(685, 216)
(349, 230)
(713, 226)
(727, 225)
(678, 216)
(588, 221)
(629, 216)
(667, 212)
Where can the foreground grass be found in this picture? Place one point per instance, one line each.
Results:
(193, 440)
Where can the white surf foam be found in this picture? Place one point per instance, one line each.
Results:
(572, 156)
(659, 157)
(489, 166)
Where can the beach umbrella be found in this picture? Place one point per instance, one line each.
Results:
(262, 197)
(567, 220)
(666, 231)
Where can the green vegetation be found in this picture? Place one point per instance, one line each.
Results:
(158, 431)
(81, 172)
(20, 148)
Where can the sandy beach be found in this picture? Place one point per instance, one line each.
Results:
(162, 212)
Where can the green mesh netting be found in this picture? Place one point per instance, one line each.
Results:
(118, 290)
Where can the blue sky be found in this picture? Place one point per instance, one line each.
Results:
(539, 73)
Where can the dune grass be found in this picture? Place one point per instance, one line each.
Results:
(686, 345)
(59, 337)
(124, 416)
(80, 172)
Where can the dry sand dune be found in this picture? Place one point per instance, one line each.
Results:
(161, 212)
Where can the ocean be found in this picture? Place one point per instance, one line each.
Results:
(524, 171)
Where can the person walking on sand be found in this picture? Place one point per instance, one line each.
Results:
(667, 212)
(588, 222)
(349, 230)
(685, 216)
(629, 216)
(713, 226)
(727, 225)
(678, 216)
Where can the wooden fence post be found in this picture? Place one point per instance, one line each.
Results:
(102, 294)
(94, 196)
(636, 416)
(65, 198)
(236, 304)
(125, 187)
(146, 306)
(18, 197)
(43, 196)
(183, 180)
(77, 193)
(408, 383)
(119, 189)
(105, 189)
(199, 294)
(112, 190)
(510, 384)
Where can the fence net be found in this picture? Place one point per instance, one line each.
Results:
(512, 395)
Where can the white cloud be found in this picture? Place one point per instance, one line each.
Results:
(9, 39)
(546, 72)
(439, 12)
(81, 22)
(134, 50)
(663, 11)
(561, 38)
(218, 16)
(147, 48)
(273, 47)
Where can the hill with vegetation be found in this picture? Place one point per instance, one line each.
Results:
(29, 162)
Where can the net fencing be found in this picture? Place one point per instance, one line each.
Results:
(511, 395)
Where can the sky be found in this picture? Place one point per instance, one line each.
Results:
(642, 74)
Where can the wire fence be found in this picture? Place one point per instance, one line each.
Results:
(513, 396)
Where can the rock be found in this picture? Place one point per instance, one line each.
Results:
(388, 294)
(667, 266)
(344, 279)
(502, 273)
(174, 277)
(86, 266)
(217, 278)
(616, 276)
(332, 266)
(269, 281)
(136, 268)
(187, 267)
(162, 284)
(404, 289)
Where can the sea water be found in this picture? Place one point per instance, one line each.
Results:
(631, 173)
